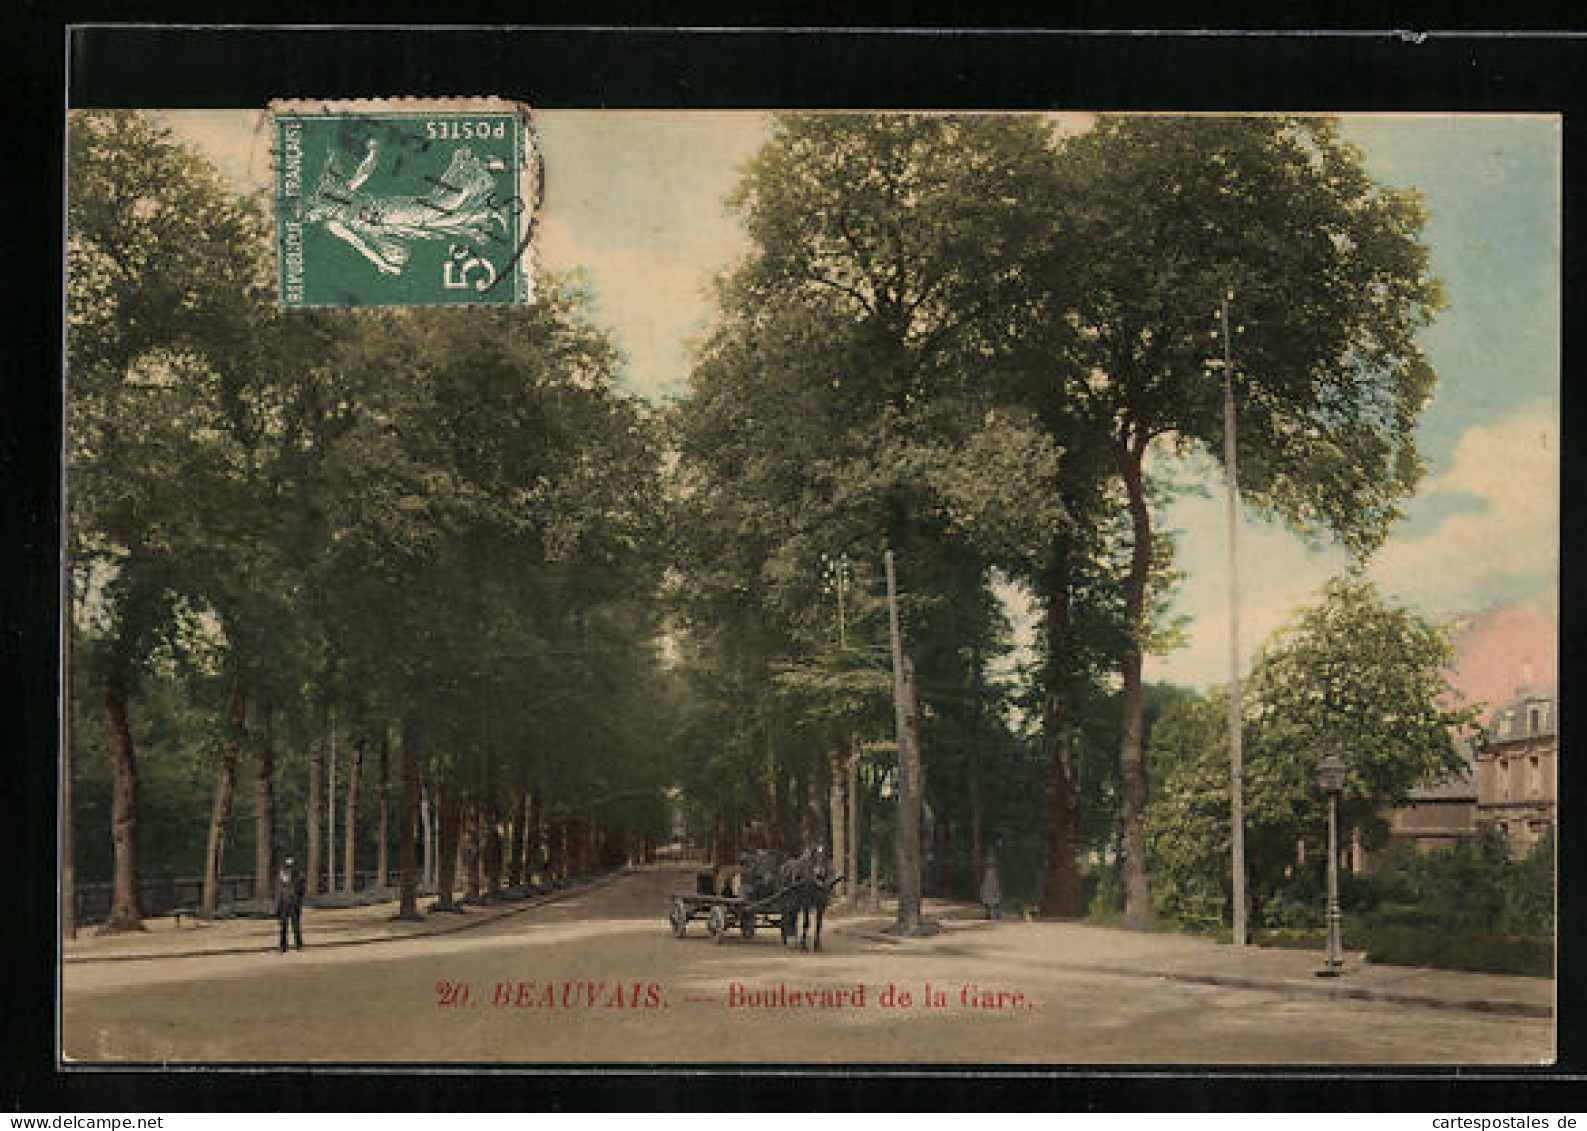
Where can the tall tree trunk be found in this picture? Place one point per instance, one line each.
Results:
(126, 908)
(508, 836)
(330, 806)
(515, 841)
(264, 808)
(520, 844)
(482, 828)
(432, 861)
(450, 806)
(528, 847)
(801, 793)
(839, 816)
(316, 816)
(493, 857)
(815, 817)
(1132, 779)
(851, 865)
(508, 857)
(875, 873)
(975, 827)
(407, 822)
(220, 813)
(1062, 885)
(469, 845)
(476, 852)
(427, 804)
(382, 834)
(941, 849)
(355, 772)
(534, 861)
(773, 809)
(910, 808)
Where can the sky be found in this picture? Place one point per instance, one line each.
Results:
(634, 204)
(1479, 542)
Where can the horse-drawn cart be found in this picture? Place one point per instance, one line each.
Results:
(724, 911)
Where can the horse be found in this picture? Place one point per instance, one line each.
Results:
(807, 878)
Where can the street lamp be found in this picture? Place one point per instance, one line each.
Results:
(1331, 776)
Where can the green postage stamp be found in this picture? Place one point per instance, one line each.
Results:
(404, 202)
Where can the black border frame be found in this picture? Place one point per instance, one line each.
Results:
(104, 64)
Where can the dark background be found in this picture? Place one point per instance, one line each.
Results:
(54, 65)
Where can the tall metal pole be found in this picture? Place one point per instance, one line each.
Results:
(898, 657)
(835, 579)
(1236, 754)
(1335, 961)
(908, 813)
(843, 569)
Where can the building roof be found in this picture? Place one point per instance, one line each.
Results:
(1459, 787)
(1531, 714)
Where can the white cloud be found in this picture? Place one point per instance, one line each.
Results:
(1278, 574)
(1507, 545)
(1501, 546)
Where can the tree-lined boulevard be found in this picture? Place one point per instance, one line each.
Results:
(428, 593)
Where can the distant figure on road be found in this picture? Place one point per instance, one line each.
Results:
(991, 889)
(289, 902)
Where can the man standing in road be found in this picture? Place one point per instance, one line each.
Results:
(289, 902)
(991, 889)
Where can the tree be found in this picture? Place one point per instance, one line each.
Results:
(1161, 219)
(1352, 675)
(495, 465)
(355, 771)
(163, 283)
(847, 357)
(453, 537)
(220, 815)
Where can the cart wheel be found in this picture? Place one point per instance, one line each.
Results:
(746, 924)
(679, 918)
(717, 923)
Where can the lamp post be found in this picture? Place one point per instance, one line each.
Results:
(1331, 776)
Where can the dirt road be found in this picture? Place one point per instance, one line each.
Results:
(599, 977)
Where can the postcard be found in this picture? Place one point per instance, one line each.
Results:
(679, 587)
